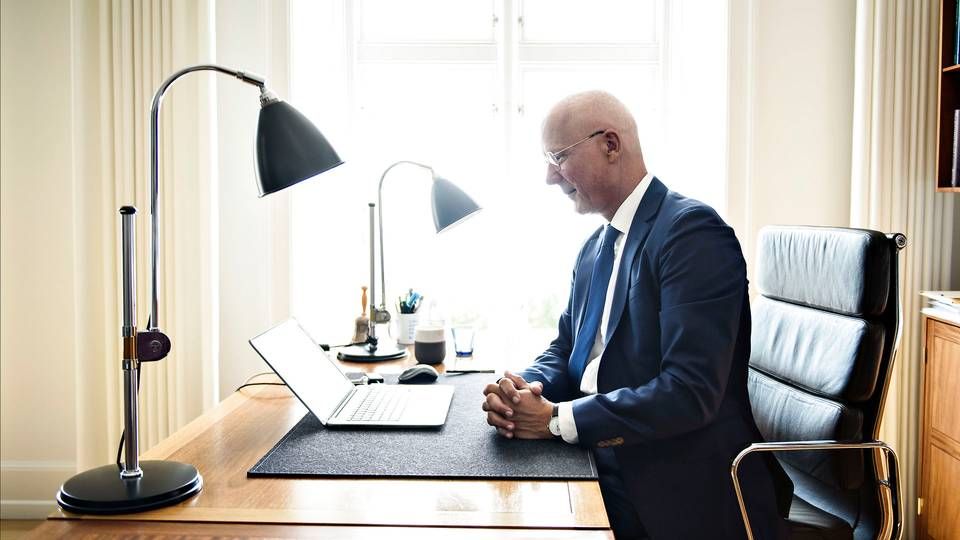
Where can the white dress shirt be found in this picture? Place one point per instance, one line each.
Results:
(621, 221)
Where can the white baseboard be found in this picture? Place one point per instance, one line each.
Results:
(13, 509)
(27, 488)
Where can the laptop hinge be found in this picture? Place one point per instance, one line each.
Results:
(343, 403)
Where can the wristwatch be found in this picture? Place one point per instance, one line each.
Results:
(554, 425)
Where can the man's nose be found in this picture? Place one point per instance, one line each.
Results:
(553, 175)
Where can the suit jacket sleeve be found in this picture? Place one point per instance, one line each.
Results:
(702, 290)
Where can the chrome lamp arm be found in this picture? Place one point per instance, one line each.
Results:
(380, 314)
(289, 150)
(152, 344)
(450, 206)
(891, 482)
(266, 97)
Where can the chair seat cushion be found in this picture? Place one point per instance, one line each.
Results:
(809, 522)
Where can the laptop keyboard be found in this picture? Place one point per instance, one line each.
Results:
(380, 404)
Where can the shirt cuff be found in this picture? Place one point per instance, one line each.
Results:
(568, 427)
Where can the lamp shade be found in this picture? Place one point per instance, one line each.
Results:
(450, 204)
(289, 148)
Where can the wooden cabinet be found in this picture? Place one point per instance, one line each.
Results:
(948, 94)
(940, 431)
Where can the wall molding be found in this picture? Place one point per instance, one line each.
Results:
(15, 509)
(27, 488)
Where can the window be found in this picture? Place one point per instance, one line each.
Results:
(463, 87)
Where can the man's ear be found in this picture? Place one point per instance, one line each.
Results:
(612, 145)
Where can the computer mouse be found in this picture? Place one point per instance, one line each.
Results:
(418, 374)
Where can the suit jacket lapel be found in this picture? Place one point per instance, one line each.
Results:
(637, 235)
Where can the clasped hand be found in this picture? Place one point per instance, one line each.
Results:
(517, 409)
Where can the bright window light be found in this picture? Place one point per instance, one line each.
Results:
(463, 87)
(578, 21)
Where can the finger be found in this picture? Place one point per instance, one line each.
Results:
(536, 387)
(495, 404)
(508, 390)
(498, 407)
(490, 388)
(505, 433)
(518, 381)
(498, 421)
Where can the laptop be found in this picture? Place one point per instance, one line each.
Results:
(319, 384)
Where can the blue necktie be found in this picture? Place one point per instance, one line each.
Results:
(596, 297)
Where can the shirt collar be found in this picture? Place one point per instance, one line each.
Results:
(624, 215)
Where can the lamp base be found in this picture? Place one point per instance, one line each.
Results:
(102, 491)
(364, 353)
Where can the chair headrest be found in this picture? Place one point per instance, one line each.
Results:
(840, 270)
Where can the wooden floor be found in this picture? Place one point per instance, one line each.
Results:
(14, 529)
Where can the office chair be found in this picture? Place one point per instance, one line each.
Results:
(826, 327)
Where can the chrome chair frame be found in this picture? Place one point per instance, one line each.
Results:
(891, 482)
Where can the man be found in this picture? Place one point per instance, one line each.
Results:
(649, 367)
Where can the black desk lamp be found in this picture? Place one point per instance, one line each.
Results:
(450, 206)
(289, 149)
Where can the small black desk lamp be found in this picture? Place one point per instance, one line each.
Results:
(289, 149)
(450, 206)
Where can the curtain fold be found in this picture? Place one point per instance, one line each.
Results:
(892, 190)
(126, 50)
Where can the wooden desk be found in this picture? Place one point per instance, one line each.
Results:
(225, 442)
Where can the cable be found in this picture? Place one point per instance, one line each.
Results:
(260, 383)
(327, 347)
(255, 375)
(250, 378)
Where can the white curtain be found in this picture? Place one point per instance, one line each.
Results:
(123, 51)
(892, 189)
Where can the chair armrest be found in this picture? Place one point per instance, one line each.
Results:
(891, 482)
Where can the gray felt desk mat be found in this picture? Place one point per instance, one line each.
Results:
(465, 447)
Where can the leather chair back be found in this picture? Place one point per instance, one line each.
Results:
(825, 327)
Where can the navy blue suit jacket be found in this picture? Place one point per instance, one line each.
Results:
(672, 394)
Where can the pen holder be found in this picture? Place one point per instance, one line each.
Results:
(406, 328)
(430, 346)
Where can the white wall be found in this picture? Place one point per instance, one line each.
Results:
(37, 288)
(254, 295)
(791, 114)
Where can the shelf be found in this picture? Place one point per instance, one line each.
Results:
(948, 96)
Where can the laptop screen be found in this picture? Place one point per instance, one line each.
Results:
(303, 365)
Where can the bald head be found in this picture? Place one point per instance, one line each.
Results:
(594, 150)
(589, 111)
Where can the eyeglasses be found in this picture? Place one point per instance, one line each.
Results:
(557, 158)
